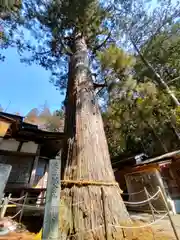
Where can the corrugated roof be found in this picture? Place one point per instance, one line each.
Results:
(12, 117)
(28, 130)
(161, 157)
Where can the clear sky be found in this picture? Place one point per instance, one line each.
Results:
(25, 87)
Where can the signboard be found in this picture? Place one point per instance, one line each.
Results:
(4, 175)
(51, 214)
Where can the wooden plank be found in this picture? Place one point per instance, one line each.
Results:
(169, 215)
(51, 214)
(15, 153)
(18, 186)
(9, 205)
(35, 165)
(4, 206)
(162, 157)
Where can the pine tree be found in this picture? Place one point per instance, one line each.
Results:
(7, 7)
(68, 35)
(141, 27)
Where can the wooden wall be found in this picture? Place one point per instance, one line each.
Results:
(21, 168)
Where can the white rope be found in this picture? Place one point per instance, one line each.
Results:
(141, 226)
(28, 206)
(129, 194)
(36, 207)
(118, 226)
(151, 195)
(15, 214)
(156, 211)
(17, 199)
(147, 200)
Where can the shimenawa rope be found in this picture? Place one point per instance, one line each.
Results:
(88, 182)
(144, 201)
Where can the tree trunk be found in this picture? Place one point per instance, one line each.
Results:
(87, 158)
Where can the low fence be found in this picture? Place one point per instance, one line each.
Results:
(157, 216)
(156, 219)
(20, 203)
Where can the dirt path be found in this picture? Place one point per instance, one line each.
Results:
(17, 236)
(163, 226)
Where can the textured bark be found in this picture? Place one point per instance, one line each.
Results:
(87, 158)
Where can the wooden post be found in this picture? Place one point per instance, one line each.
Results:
(35, 165)
(22, 210)
(2, 199)
(149, 202)
(169, 215)
(51, 215)
(5, 170)
(106, 228)
(4, 206)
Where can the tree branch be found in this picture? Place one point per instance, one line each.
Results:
(158, 77)
(67, 50)
(99, 85)
(164, 22)
(102, 44)
(5, 15)
(173, 80)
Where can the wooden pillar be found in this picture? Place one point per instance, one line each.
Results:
(169, 215)
(43, 185)
(45, 180)
(5, 170)
(35, 165)
(175, 166)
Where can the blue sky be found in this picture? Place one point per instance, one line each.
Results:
(25, 87)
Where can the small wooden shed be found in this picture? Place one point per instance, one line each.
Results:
(28, 150)
(159, 171)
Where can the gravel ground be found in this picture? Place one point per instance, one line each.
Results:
(163, 226)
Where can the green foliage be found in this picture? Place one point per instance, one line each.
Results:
(163, 54)
(9, 6)
(140, 115)
(116, 59)
(54, 26)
